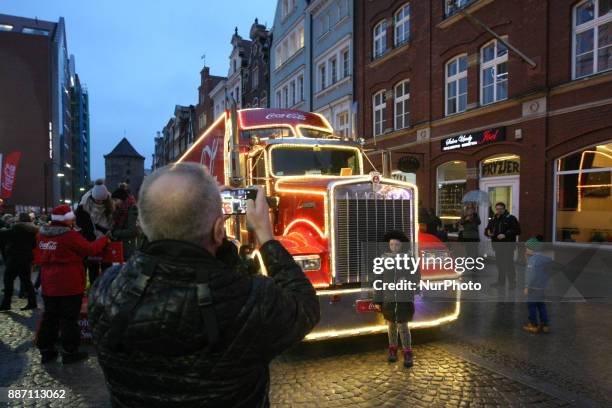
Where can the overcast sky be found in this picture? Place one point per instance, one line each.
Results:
(139, 58)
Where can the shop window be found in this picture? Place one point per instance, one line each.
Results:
(451, 186)
(583, 192)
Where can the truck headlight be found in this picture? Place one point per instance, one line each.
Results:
(308, 262)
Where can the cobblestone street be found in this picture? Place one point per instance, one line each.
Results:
(483, 359)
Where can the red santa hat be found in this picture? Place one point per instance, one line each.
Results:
(62, 213)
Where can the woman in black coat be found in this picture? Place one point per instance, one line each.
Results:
(19, 242)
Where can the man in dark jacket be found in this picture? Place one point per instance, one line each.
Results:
(19, 242)
(182, 324)
(503, 229)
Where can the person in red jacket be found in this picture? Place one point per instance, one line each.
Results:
(60, 253)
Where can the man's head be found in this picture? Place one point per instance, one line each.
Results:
(500, 208)
(182, 202)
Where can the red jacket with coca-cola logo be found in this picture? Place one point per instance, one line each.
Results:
(60, 251)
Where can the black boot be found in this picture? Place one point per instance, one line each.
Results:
(75, 357)
(48, 356)
(29, 306)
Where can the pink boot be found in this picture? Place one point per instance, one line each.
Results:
(408, 358)
(392, 358)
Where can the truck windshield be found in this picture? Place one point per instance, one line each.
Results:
(267, 133)
(315, 160)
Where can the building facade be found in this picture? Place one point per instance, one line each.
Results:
(124, 165)
(36, 107)
(332, 65)
(533, 128)
(238, 67)
(290, 78)
(256, 74)
(81, 142)
(204, 110)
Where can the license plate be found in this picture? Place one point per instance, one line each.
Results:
(365, 306)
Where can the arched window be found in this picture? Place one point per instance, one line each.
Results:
(401, 105)
(401, 21)
(493, 72)
(380, 39)
(583, 193)
(456, 85)
(592, 39)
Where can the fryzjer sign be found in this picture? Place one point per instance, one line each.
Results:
(474, 139)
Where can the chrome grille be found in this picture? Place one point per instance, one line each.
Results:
(362, 219)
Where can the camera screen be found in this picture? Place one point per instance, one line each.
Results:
(234, 201)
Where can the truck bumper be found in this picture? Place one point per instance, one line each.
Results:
(340, 318)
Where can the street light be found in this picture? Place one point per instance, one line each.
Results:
(82, 189)
(60, 174)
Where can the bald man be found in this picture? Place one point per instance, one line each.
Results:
(182, 323)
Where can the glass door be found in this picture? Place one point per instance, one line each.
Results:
(500, 189)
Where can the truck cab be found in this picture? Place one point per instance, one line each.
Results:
(327, 210)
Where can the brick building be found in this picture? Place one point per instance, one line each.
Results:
(124, 165)
(43, 116)
(204, 110)
(534, 132)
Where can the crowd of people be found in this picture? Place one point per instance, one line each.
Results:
(61, 247)
(186, 321)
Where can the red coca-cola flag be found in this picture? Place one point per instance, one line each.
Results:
(9, 173)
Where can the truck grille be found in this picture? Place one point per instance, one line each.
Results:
(362, 219)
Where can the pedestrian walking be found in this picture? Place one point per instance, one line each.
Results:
(94, 216)
(540, 269)
(19, 242)
(181, 324)
(61, 251)
(397, 307)
(468, 230)
(125, 218)
(503, 229)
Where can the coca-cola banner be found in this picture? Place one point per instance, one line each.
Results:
(9, 173)
(474, 139)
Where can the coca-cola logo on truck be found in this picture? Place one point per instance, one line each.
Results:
(296, 116)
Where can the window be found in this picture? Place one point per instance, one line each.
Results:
(6, 27)
(288, 6)
(292, 92)
(289, 46)
(286, 97)
(346, 63)
(402, 25)
(380, 39)
(278, 99)
(401, 102)
(255, 78)
(456, 85)
(255, 102)
(452, 6)
(238, 95)
(300, 86)
(35, 31)
(452, 178)
(322, 76)
(202, 121)
(333, 67)
(493, 72)
(342, 123)
(584, 195)
(379, 103)
(342, 9)
(592, 47)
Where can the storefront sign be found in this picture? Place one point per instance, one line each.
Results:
(502, 167)
(474, 139)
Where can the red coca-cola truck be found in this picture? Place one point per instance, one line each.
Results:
(327, 210)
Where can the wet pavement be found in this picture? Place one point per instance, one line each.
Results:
(483, 359)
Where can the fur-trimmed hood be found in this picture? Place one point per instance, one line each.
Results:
(51, 230)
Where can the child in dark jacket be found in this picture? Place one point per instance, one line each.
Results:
(539, 270)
